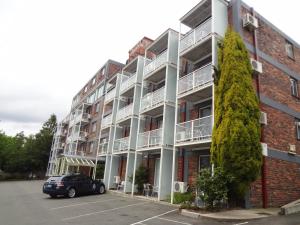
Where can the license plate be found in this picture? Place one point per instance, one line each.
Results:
(49, 185)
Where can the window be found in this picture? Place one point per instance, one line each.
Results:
(92, 144)
(204, 162)
(294, 87)
(289, 48)
(205, 111)
(97, 107)
(94, 81)
(85, 89)
(94, 127)
(298, 129)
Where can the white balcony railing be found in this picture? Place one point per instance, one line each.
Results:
(103, 148)
(194, 130)
(195, 80)
(106, 121)
(152, 99)
(109, 96)
(121, 144)
(127, 82)
(195, 35)
(150, 138)
(124, 112)
(155, 63)
(82, 136)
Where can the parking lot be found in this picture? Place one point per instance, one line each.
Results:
(22, 202)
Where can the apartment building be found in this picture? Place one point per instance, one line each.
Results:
(158, 109)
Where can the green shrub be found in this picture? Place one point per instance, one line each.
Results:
(141, 178)
(213, 190)
(183, 197)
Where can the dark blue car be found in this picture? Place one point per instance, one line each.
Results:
(72, 185)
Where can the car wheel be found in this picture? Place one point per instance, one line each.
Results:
(53, 196)
(71, 192)
(94, 187)
(101, 189)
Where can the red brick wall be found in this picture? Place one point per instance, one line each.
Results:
(193, 162)
(139, 48)
(122, 168)
(85, 170)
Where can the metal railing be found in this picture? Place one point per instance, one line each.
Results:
(152, 99)
(155, 63)
(121, 144)
(150, 138)
(124, 112)
(196, 79)
(195, 35)
(127, 82)
(103, 147)
(106, 121)
(82, 136)
(110, 95)
(194, 130)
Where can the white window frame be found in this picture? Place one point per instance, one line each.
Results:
(294, 87)
(297, 129)
(289, 48)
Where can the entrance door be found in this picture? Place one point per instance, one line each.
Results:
(156, 172)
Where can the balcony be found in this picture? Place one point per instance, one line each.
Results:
(106, 121)
(150, 139)
(103, 147)
(124, 112)
(194, 131)
(195, 81)
(195, 38)
(121, 145)
(152, 99)
(155, 63)
(109, 96)
(81, 136)
(127, 82)
(60, 132)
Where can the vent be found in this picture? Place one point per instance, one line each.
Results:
(292, 149)
(264, 149)
(250, 22)
(256, 66)
(263, 118)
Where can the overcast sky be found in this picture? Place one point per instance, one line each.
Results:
(50, 48)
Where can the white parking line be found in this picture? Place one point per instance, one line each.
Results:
(174, 221)
(103, 211)
(150, 218)
(241, 223)
(83, 203)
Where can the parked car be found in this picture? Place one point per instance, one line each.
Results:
(72, 185)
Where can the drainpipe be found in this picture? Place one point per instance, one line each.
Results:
(263, 168)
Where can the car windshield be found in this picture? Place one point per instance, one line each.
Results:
(51, 179)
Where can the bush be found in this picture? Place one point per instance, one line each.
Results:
(141, 178)
(183, 197)
(213, 189)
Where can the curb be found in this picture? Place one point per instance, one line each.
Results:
(293, 207)
(195, 215)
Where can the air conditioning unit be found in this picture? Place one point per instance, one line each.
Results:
(89, 116)
(250, 22)
(256, 66)
(86, 134)
(117, 179)
(263, 118)
(63, 145)
(292, 149)
(180, 186)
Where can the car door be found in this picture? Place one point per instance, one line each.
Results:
(86, 184)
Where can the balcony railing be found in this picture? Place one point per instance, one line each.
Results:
(155, 63)
(124, 112)
(196, 35)
(103, 148)
(150, 138)
(60, 132)
(194, 130)
(121, 144)
(106, 121)
(152, 99)
(82, 136)
(110, 95)
(127, 82)
(195, 80)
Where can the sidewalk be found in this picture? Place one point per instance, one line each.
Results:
(233, 215)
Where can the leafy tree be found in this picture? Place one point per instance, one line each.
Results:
(236, 135)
